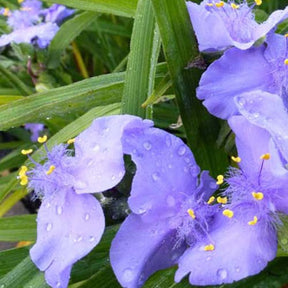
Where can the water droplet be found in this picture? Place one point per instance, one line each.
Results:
(141, 210)
(78, 238)
(208, 258)
(48, 205)
(185, 169)
(91, 239)
(96, 148)
(237, 269)
(194, 171)
(49, 227)
(113, 177)
(170, 201)
(147, 145)
(58, 284)
(256, 115)
(181, 150)
(187, 160)
(128, 275)
(241, 101)
(87, 217)
(155, 176)
(222, 274)
(59, 210)
(168, 141)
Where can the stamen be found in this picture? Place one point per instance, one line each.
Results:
(211, 200)
(220, 179)
(267, 155)
(286, 61)
(254, 221)
(191, 213)
(234, 6)
(209, 247)
(258, 2)
(209, 4)
(20, 1)
(42, 139)
(219, 4)
(286, 35)
(23, 171)
(26, 152)
(24, 180)
(222, 200)
(236, 159)
(51, 169)
(258, 195)
(228, 213)
(71, 141)
(6, 12)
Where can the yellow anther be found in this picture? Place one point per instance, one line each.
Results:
(265, 156)
(220, 179)
(219, 4)
(228, 213)
(286, 35)
(222, 200)
(42, 139)
(71, 141)
(191, 213)
(209, 4)
(51, 169)
(23, 171)
(234, 6)
(6, 12)
(236, 159)
(26, 152)
(254, 221)
(20, 1)
(24, 180)
(286, 61)
(258, 195)
(258, 2)
(209, 247)
(211, 200)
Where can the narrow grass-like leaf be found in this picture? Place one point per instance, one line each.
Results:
(117, 7)
(9, 98)
(18, 228)
(180, 49)
(66, 34)
(96, 91)
(15, 81)
(142, 60)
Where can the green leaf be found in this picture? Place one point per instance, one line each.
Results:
(9, 98)
(180, 48)
(142, 60)
(15, 81)
(18, 228)
(117, 7)
(96, 91)
(66, 34)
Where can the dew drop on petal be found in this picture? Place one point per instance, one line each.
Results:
(237, 269)
(96, 148)
(222, 274)
(59, 210)
(155, 176)
(49, 227)
(48, 205)
(168, 141)
(208, 258)
(181, 150)
(113, 177)
(147, 145)
(241, 101)
(128, 275)
(87, 217)
(58, 285)
(91, 239)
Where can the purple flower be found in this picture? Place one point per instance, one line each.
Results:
(262, 68)
(57, 13)
(169, 207)
(219, 25)
(245, 236)
(29, 25)
(70, 221)
(35, 129)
